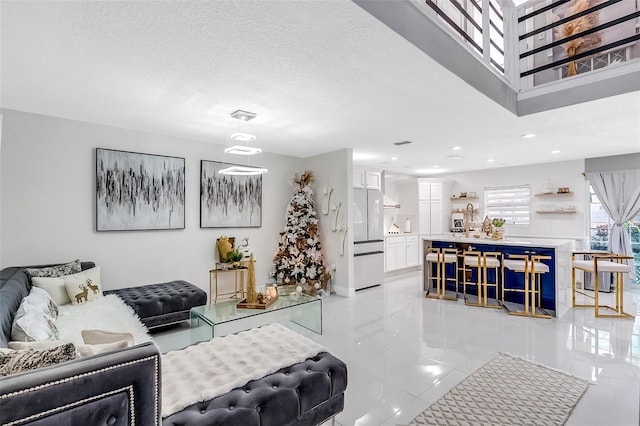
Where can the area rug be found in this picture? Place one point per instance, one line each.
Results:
(507, 390)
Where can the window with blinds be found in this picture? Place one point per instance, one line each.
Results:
(512, 203)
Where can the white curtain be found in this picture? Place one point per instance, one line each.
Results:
(619, 193)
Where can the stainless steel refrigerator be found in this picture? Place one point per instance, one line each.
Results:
(368, 238)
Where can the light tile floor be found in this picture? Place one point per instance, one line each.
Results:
(404, 352)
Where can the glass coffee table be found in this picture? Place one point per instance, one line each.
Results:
(300, 309)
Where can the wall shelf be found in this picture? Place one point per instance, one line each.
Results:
(554, 194)
(463, 198)
(555, 211)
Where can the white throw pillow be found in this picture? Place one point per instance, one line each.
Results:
(83, 287)
(38, 298)
(55, 287)
(31, 324)
(96, 337)
(90, 350)
(44, 344)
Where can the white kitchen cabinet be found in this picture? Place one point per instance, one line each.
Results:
(412, 251)
(429, 190)
(367, 179)
(433, 208)
(373, 180)
(395, 253)
(401, 252)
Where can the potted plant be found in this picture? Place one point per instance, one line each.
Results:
(498, 230)
(235, 257)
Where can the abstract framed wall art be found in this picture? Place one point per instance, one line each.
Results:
(229, 201)
(136, 191)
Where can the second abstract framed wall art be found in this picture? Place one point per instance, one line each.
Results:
(228, 201)
(136, 191)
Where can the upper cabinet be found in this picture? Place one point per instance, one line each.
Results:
(429, 190)
(433, 209)
(367, 179)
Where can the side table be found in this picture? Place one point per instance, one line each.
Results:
(239, 283)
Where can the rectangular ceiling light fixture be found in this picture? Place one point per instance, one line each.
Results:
(402, 143)
(242, 171)
(243, 137)
(243, 115)
(242, 150)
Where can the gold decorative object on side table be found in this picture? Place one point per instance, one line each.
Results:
(263, 301)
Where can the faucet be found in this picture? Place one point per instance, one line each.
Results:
(468, 217)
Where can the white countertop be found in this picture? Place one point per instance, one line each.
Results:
(509, 241)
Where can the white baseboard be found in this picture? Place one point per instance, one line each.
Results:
(343, 291)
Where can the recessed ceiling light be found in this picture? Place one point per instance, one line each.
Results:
(431, 170)
(243, 115)
(436, 166)
(394, 158)
(490, 160)
(242, 150)
(456, 148)
(243, 137)
(455, 157)
(528, 135)
(362, 156)
(555, 151)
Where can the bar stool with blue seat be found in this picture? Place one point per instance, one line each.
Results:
(601, 262)
(442, 258)
(482, 263)
(532, 267)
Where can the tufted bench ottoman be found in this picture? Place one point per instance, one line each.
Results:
(162, 304)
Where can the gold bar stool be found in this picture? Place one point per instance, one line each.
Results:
(601, 262)
(532, 267)
(441, 258)
(482, 262)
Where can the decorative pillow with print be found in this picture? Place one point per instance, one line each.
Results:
(38, 298)
(19, 361)
(84, 286)
(55, 271)
(31, 324)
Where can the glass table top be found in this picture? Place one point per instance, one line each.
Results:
(221, 312)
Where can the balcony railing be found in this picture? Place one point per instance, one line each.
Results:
(563, 38)
(480, 25)
(552, 39)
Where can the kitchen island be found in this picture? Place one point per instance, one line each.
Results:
(555, 285)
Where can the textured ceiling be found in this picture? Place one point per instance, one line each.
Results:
(321, 76)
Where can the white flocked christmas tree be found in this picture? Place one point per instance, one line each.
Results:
(299, 260)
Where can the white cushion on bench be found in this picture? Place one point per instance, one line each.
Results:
(209, 369)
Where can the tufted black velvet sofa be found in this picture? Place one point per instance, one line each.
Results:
(116, 388)
(124, 387)
(162, 304)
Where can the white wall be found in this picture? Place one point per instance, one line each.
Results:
(48, 204)
(0, 188)
(561, 174)
(334, 170)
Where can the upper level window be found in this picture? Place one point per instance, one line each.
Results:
(512, 203)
